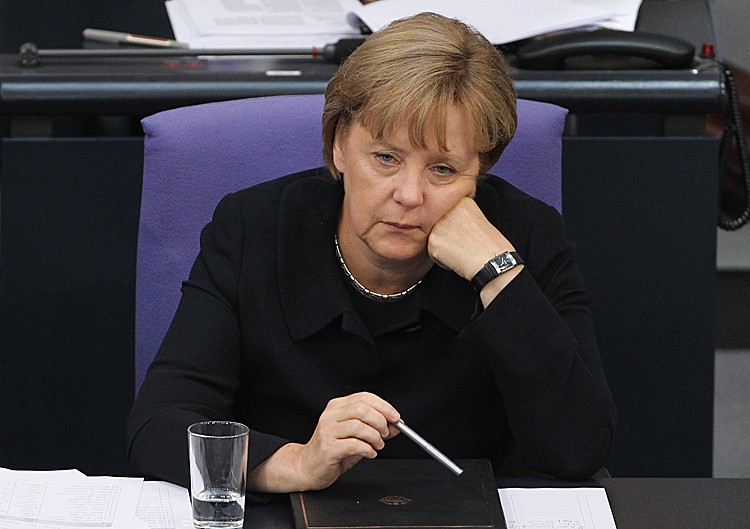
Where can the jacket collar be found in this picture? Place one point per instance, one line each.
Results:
(311, 286)
(312, 292)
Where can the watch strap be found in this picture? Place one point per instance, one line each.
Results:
(496, 266)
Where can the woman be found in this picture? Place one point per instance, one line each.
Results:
(321, 309)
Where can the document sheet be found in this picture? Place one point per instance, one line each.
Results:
(315, 23)
(71, 500)
(164, 505)
(260, 24)
(552, 508)
(501, 21)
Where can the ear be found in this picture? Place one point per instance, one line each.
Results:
(339, 146)
(339, 161)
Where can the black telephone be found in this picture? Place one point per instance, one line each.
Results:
(622, 50)
(605, 50)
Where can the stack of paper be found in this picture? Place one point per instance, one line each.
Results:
(503, 21)
(552, 508)
(260, 23)
(67, 499)
(314, 23)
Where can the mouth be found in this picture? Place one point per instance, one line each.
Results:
(401, 227)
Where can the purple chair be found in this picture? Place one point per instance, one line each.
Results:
(195, 155)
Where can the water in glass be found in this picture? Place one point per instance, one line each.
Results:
(218, 509)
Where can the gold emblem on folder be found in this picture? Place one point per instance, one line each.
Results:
(394, 500)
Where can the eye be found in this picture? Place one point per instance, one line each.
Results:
(444, 170)
(385, 157)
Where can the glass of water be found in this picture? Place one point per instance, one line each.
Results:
(218, 472)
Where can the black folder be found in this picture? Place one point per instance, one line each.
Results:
(404, 494)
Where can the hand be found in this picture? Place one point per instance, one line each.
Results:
(463, 240)
(349, 429)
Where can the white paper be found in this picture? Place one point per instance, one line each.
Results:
(625, 12)
(164, 506)
(501, 21)
(67, 500)
(316, 23)
(267, 17)
(187, 28)
(553, 508)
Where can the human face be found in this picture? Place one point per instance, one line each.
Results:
(395, 192)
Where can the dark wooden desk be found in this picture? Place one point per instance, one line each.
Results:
(637, 503)
(640, 503)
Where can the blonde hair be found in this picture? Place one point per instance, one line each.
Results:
(415, 70)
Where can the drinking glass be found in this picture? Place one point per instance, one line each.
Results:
(218, 472)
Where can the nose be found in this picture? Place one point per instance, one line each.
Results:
(409, 188)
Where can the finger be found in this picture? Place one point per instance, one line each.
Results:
(372, 417)
(354, 421)
(370, 398)
(337, 450)
(392, 432)
(381, 405)
(366, 407)
(356, 429)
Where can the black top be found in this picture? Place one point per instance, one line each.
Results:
(268, 331)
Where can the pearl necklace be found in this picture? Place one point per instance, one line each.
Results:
(363, 289)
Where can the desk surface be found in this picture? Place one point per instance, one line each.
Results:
(147, 85)
(637, 503)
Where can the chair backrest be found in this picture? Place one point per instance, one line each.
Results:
(195, 155)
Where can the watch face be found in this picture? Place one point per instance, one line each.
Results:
(503, 262)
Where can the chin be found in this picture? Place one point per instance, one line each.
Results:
(400, 252)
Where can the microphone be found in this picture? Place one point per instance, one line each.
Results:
(30, 55)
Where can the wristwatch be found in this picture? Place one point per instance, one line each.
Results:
(499, 264)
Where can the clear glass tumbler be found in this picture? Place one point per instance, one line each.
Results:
(218, 473)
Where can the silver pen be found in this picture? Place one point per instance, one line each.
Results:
(427, 447)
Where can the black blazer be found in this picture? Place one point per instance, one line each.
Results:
(266, 334)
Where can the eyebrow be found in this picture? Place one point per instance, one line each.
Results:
(383, 144)
(445, 156)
